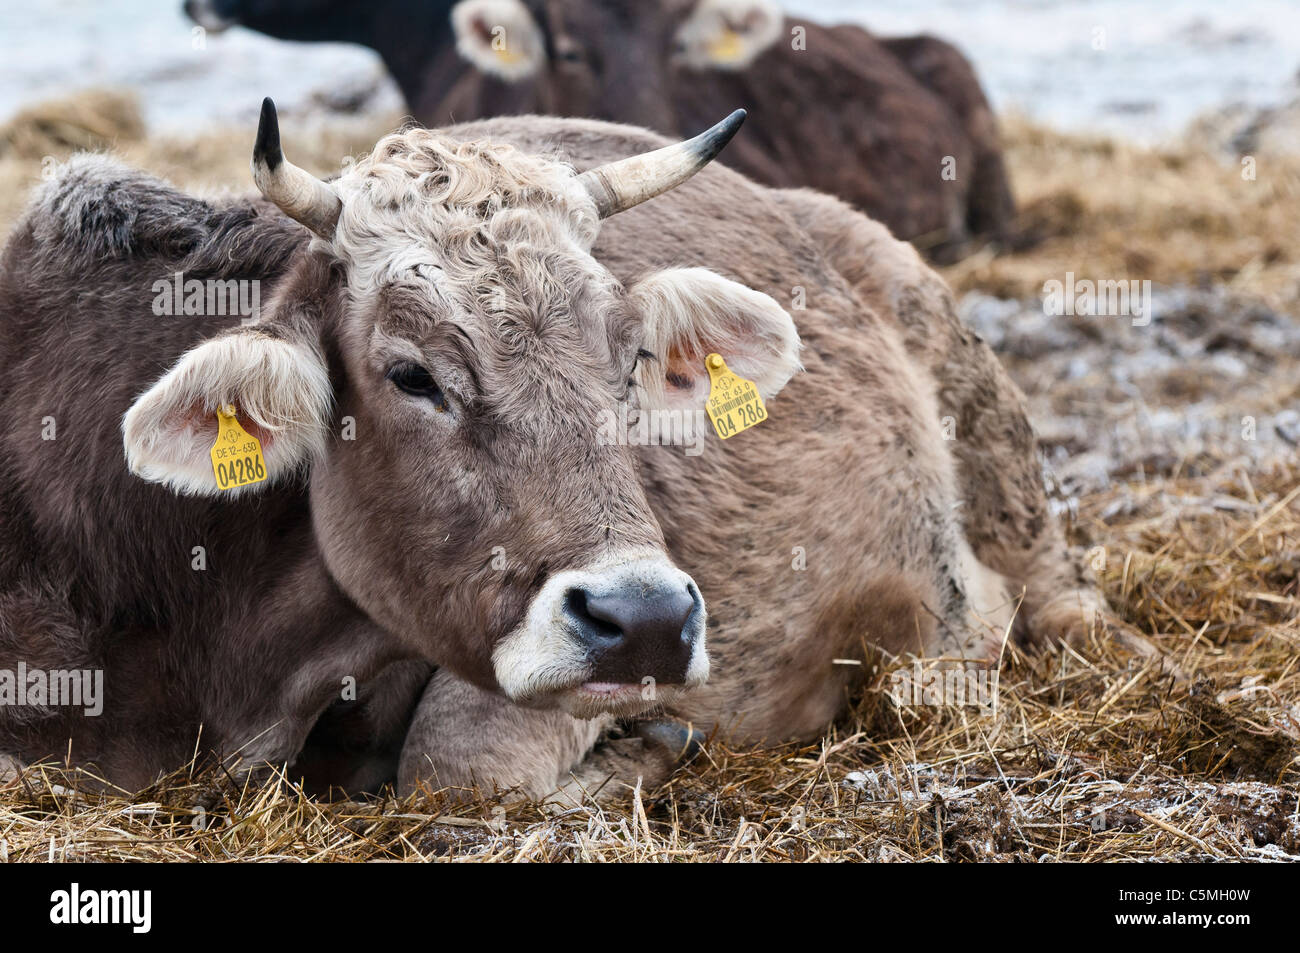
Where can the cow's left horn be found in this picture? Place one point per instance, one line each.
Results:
(299, 194)
(617, 186)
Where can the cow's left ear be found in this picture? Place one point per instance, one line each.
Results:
(279, 388)
(728, 34)
(500, 37)
(690, 313)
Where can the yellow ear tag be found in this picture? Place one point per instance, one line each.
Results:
(726, 48)
(734, 403)
(236, 456)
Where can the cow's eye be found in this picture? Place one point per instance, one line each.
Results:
(641, 355)
(418, 382)
(568, 53)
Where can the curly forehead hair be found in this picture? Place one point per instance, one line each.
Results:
(420, 197)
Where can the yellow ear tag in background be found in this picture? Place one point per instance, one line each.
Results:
(236, 456)
(726, 48)
(734, 403)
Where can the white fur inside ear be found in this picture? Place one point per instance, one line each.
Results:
(729, 34)
(500, 37)
(280, 387)
(690, 313)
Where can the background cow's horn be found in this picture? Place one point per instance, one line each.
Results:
(617, 186)
(299, 194)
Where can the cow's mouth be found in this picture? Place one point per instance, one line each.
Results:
(623, 700)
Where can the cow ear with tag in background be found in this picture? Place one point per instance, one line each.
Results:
(279, 388)
(500, 37)
(690, 313)
(728, 34)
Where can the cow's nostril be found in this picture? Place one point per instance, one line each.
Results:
(654, 615)
(592, 626)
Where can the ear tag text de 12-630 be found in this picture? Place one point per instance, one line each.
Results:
(734, 403)
(236, 455)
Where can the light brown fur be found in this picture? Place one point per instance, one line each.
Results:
(851, 465)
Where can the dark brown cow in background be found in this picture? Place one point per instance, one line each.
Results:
(875, 122)
(899, 128)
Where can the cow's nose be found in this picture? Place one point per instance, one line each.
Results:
(636, 631)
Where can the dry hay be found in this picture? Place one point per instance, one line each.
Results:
(1092, 753)
(93, 120)
(211, 163)
(1106, 210)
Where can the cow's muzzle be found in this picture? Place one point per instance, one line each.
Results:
(619, 636)
(636, 633)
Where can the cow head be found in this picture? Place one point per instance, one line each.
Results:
(440, 363)
(611, 59)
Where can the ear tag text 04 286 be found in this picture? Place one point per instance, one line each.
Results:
(734, 403)
(236, 455)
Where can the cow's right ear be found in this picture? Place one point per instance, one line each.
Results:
(500, 37)
(690, 313)
(728, 34)
(281, 393)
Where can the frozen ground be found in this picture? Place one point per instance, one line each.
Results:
(1207, 379)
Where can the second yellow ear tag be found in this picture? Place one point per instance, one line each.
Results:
(734, 403)
(726, 48)
(236, 456)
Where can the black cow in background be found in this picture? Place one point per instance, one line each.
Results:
(408, 35)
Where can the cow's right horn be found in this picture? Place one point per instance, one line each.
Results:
(617, 186)
(299, 194)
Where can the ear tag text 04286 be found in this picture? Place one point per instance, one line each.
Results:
(236, 455)
(734, 403)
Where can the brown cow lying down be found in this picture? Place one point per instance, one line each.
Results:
(446, 379)
(898, 128)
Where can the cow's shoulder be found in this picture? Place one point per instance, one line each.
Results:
(861, 248)
(888, 275)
